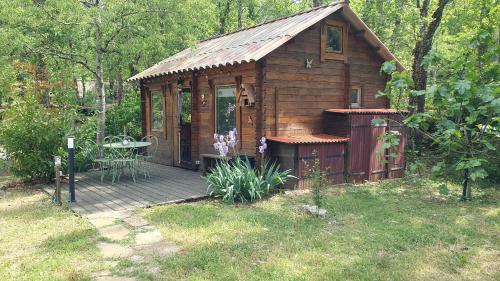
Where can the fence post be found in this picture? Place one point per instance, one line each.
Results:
(71, 168)
(57, 168)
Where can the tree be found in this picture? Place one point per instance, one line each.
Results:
(423, 46)
(82, 33)
(317, 3)
(463, 121)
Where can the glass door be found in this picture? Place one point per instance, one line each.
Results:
(185, 110)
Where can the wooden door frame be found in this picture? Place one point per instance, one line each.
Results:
(176, 144)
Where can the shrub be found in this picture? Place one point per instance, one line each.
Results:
(31, 136)
(85, 146)
(318, 180)
(237, 181)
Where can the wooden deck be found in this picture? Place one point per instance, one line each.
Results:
(166, 185)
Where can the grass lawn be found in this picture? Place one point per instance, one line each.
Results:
(382, 231)
(39, 241)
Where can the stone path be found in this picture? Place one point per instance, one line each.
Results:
(129, 236)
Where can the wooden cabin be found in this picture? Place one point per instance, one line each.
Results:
(307, 82)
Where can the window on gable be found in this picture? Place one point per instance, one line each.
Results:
(334, 34)
(356, 97)
(334, 39)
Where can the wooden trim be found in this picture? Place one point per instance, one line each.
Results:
(239, 110)
(212, 105)
(326, 55)
(259, 106)
(164, 93)
(276, 112)
(144, 129)
(147, 110)
(174, 90)
(172, 126)
(195, 117)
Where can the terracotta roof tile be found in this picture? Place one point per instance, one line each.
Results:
(306, 139)
(365, 111)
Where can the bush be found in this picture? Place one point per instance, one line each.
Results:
(127, 114)
(318, 180)
(237, 181)
(31, 136)
(85, 146)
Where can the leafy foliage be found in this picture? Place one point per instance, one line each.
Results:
(85, 146)
(32, 136)
(126, 116)
(463, 121)
(236, 181)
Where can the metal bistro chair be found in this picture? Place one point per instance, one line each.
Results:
(125, 157)
(104, 162)
(147, 155)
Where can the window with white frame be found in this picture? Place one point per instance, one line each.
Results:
(157, 109)
(225, 108)
(356, 97)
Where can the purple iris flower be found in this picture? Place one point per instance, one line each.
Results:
(263, 147)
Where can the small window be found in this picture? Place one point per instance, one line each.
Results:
(225, 109)
(157, 111)
(334, 39)
(356, 97)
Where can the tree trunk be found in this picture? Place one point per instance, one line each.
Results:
(240, 14)
(466, 191)
(397, 27)
(422, 48)
(224, 9)
(84, 90)
(77, 91)
(119, 88)
(101, 94)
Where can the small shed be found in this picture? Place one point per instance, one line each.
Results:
(366, 159)
(298, 153)
(275, 79)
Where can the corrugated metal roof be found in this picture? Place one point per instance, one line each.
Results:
(365, 111)
(305, 139)
(251, 44)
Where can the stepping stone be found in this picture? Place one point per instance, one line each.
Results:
(115, 232)
(148, 237)
(136, 221)
(112, 214)
(99, 222)
(137, 259)
(154, 270)
(146, 228)
(110, 250)
(160, 249)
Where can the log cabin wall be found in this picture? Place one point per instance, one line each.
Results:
(164, 154)
(207, 80)
(295, 96)
(203, 85)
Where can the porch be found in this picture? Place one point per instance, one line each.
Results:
(166, 185)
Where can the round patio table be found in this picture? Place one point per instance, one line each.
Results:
(137, 144)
